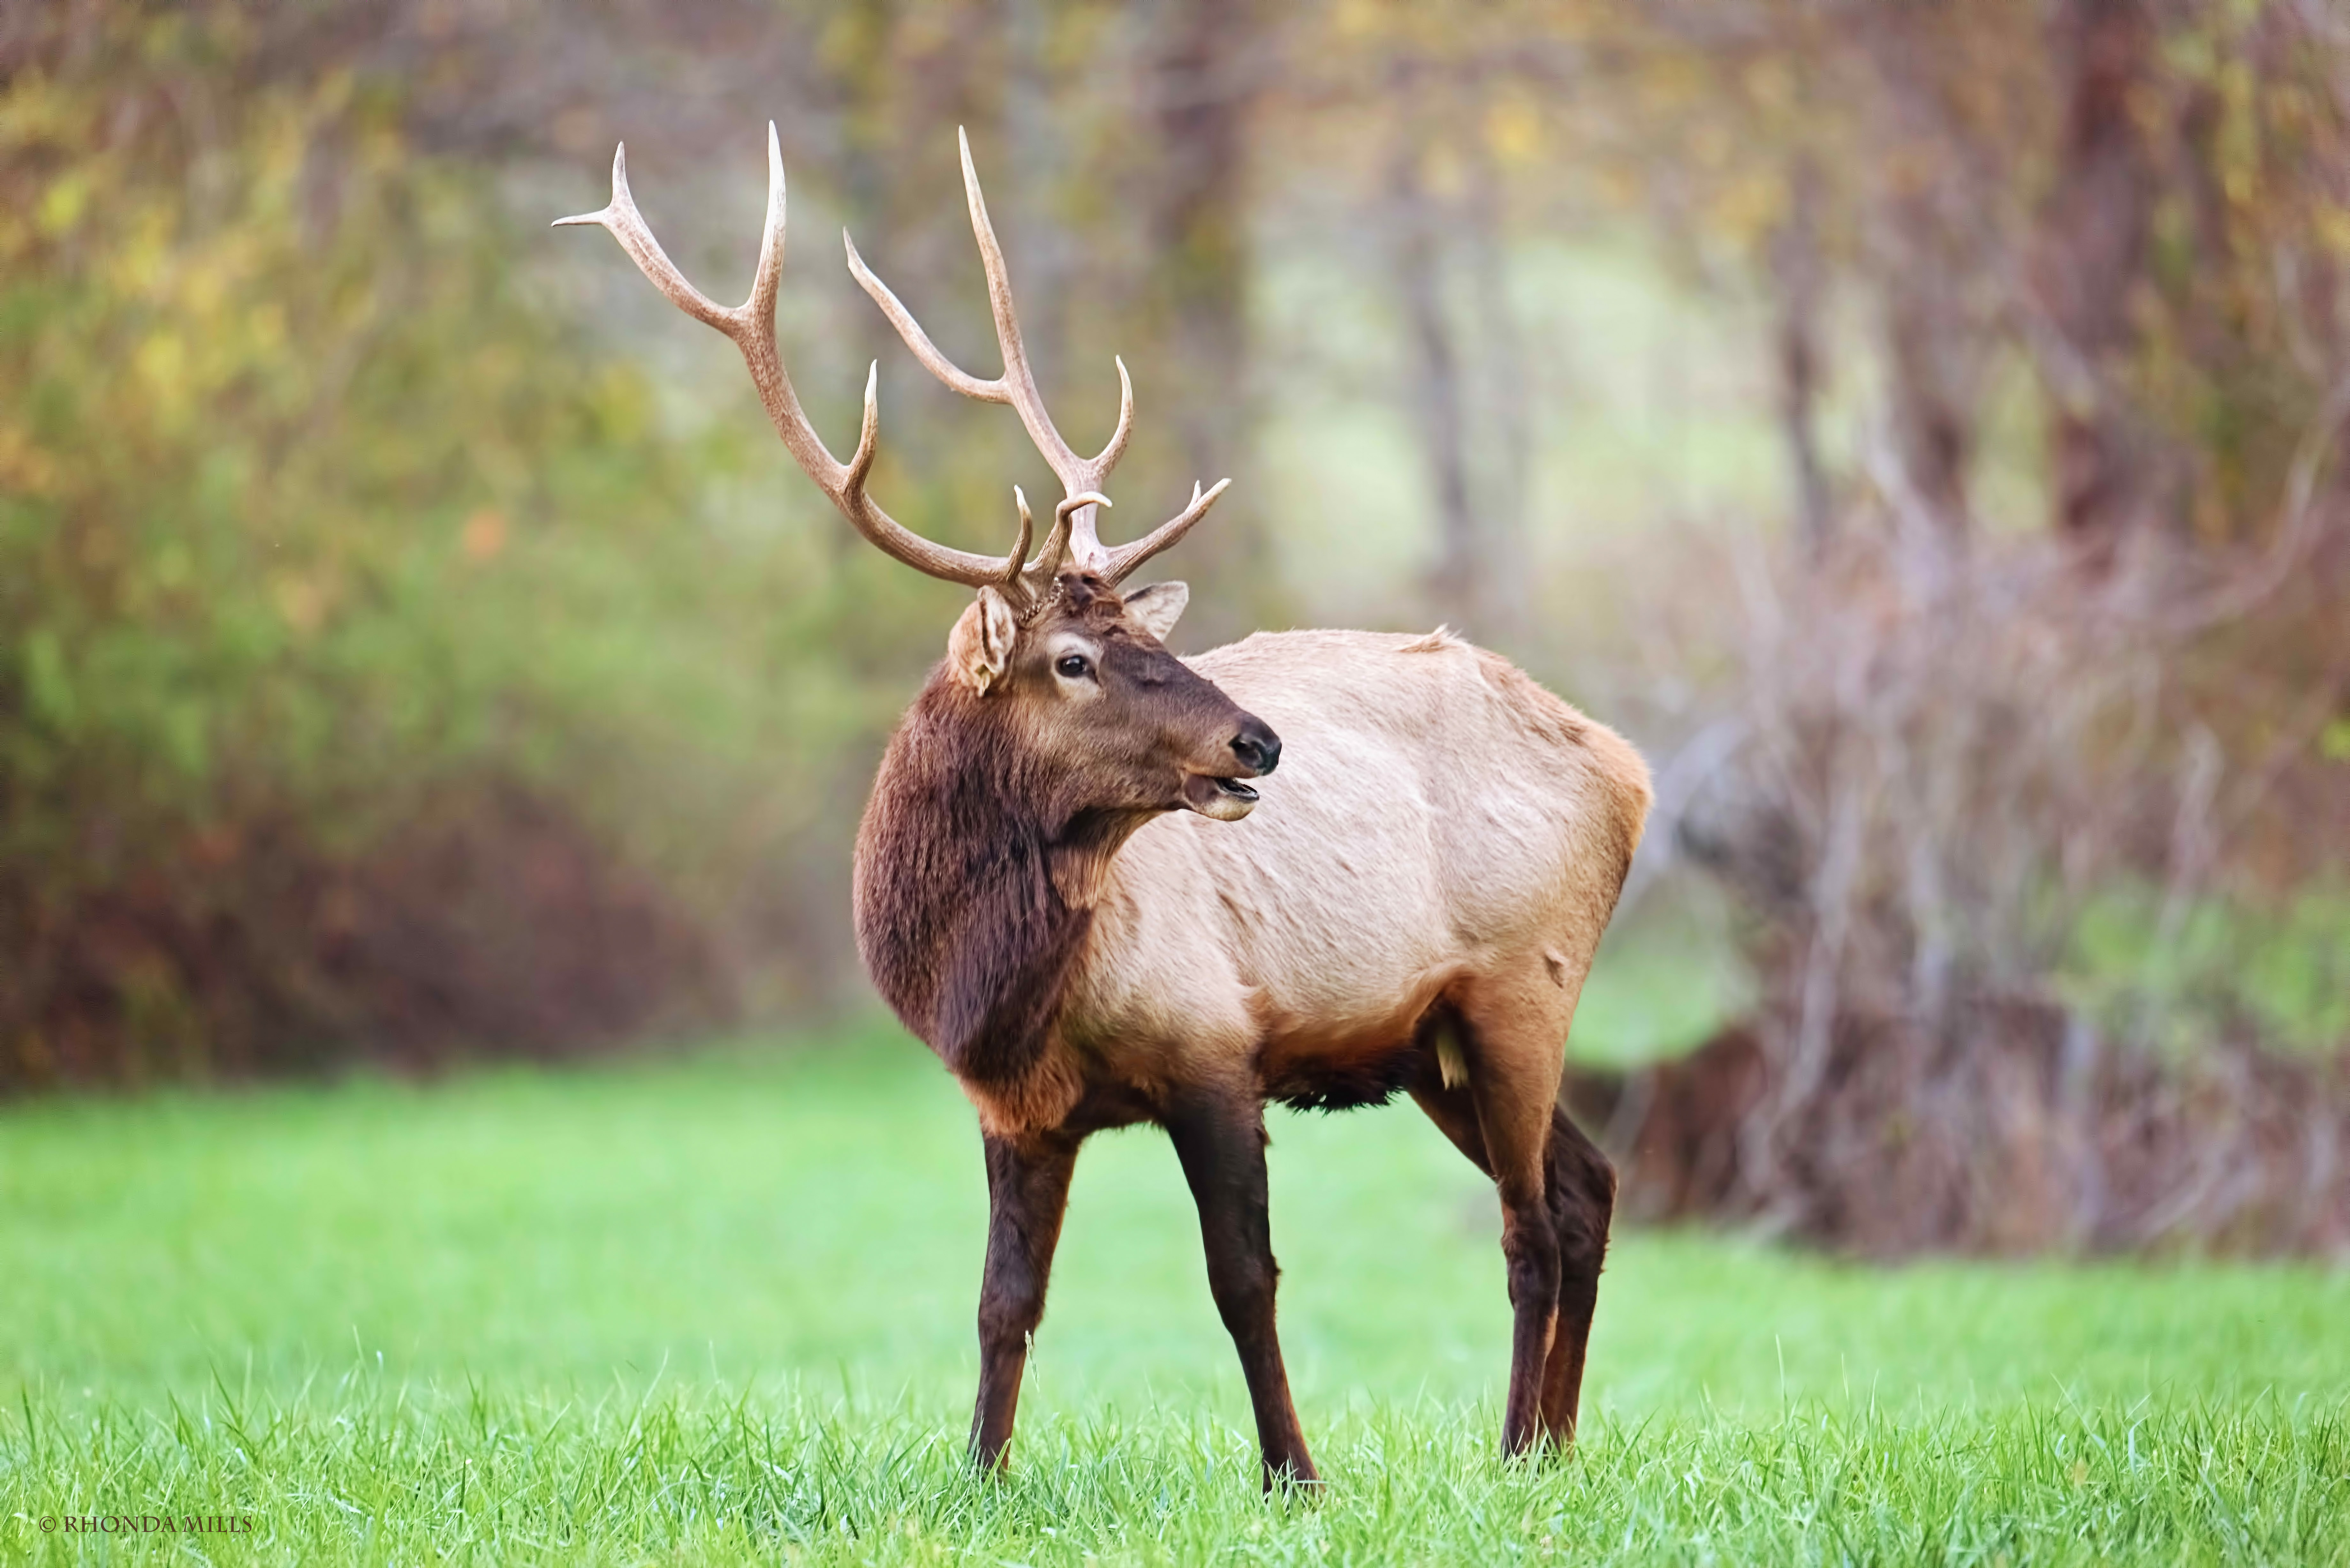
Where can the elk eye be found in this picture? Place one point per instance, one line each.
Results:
(1075, 666)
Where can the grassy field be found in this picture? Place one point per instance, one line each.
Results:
(719, 1308)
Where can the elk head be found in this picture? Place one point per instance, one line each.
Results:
(1058, 660)
(1091, 697)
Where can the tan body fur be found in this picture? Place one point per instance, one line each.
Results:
(1443, 827)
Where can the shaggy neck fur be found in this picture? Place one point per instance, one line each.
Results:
(976, 882)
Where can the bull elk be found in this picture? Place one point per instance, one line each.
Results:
(1067, 885)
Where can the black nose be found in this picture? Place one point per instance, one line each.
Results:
(1257, 747)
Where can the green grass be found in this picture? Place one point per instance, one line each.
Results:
(720, 1309)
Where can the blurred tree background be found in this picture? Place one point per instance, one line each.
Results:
(1918, 424)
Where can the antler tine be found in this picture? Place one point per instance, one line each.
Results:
(1017, 385)
(1018, 380)
(619, 215)
(1123, 560)
(935, 362)
(1046, 562)
(1036, 576)
(751, 327)
(1114, 448)
(1028, 528)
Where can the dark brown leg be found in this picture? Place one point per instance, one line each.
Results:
(1027, 1193)
(1512, 1086)
(1579, 1189)
(1529, 1249)
(1582, 1202)
(1222, 1145)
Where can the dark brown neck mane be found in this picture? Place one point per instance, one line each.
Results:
(973, 883)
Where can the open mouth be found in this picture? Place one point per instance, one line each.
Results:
(1226, 800)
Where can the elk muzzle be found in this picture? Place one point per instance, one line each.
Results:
(1256, 752)
(1256, 746)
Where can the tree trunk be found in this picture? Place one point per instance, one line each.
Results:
(1934, 369)
(1930, 249)
(1432, 388)
(1797, 271)
(2093, 255)
(1203, 62)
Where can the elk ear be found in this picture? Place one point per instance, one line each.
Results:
(979, 648)
(1157, 607)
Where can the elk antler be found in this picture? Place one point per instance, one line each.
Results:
(752, 327)
(1080, 477)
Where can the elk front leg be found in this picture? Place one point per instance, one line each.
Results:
(1222, 1145)
(1027, 1194)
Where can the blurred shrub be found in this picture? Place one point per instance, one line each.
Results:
(2040, 875)
(2179, 974)
(307, 515)
(323, 529)
(490, 921)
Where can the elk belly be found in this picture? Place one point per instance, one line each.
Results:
(1312, 1065)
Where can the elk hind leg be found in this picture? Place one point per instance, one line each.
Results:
(1512, 1037)
(1581, 1189)
(1582, 1193)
